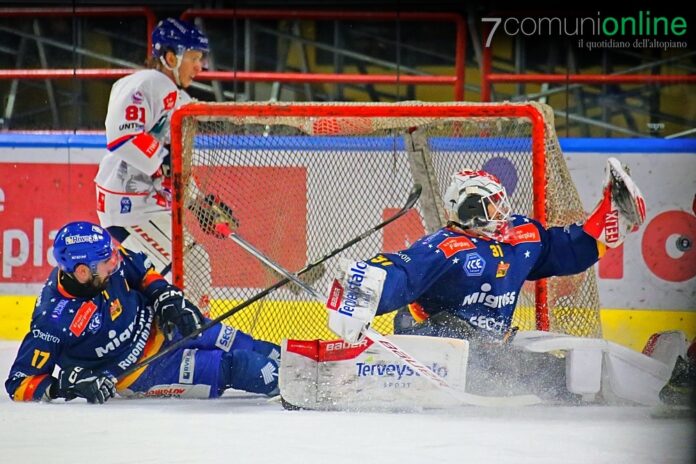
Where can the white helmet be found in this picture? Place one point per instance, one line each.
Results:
(477, 200)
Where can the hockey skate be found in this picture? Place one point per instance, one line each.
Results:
(678, 396)
(680, 390)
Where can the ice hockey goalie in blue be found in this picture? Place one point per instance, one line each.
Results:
(465, 279)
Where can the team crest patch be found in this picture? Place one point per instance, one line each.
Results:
(169, 101)
(474, 265)
(137, 97)
(126, 205)
(115, 309)
(502, 269)
(453, 245)
(95, 323)
(82, 318)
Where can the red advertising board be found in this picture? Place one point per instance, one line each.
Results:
(36, 199)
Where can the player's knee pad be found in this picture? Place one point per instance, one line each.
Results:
(249, 371)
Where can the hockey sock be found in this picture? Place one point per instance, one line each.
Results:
(268, 349)
(249, 371)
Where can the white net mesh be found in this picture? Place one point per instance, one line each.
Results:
(303, 184)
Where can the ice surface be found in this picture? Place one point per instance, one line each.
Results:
(241, 428)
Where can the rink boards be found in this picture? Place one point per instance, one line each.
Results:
(649, 282)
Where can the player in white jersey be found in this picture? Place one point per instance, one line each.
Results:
(133, 184)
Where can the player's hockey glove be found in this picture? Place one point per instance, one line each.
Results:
(78, 382)
(166, 167)
(353, 299)
(621, 209)
(172, 310)
(211, 211)
(162, 182)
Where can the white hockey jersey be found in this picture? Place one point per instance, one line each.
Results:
(129, 186)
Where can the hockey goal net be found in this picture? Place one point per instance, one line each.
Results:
(303, 179)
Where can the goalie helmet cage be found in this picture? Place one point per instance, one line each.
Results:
(304, 178)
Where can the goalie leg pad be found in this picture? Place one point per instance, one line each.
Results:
(667, 346)
(621, 374)
(335, 375)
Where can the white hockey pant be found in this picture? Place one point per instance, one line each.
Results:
(153, 238)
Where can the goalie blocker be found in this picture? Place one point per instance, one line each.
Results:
(353, 299)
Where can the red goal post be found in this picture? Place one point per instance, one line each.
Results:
(303, 178)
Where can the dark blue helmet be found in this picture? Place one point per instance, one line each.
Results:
(81, 243)
(177, 35)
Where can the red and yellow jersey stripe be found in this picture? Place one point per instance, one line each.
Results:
(32, 388)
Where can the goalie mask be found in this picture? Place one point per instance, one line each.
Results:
(477, 201)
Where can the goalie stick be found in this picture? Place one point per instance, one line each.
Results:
(410, 203)
(463, 397)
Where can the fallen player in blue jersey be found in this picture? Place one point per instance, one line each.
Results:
(103, 309)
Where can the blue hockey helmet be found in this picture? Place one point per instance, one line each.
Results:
(177, 35)
(81, 243)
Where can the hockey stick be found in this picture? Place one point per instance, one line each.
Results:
(376, 337)
(410, 203)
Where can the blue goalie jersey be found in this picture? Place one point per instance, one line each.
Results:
(478, 279)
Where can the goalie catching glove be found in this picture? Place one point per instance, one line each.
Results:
(621, 209)
(211, 211)
(353, 299)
